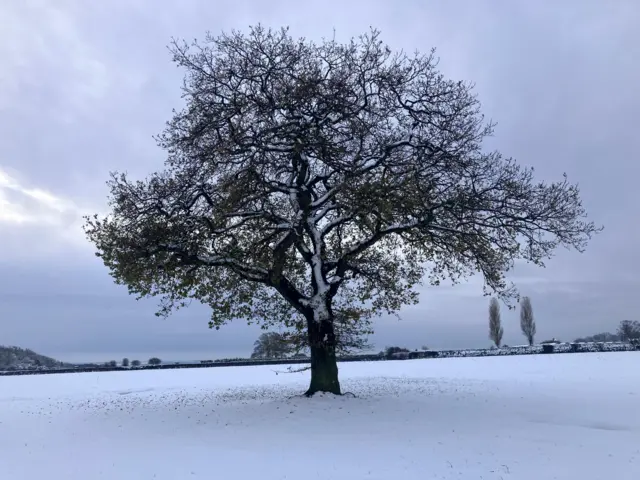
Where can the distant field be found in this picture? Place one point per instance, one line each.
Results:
(521, 417)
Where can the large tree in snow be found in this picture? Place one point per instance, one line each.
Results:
(305, 179)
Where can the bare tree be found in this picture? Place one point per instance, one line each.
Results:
(304, 179)
(629, 330)
(527, 322)
(135, 363)
(154, 361)
(495, 323)
(125, 362)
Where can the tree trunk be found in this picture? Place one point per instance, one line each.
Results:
(324, 365)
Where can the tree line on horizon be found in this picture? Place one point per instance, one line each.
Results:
(628, 330)
(278, 345)
(133, 363)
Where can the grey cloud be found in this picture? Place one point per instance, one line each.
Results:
(86, 84)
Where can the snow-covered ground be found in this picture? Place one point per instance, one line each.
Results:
(521, 417)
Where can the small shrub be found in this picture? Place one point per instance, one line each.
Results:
(391, 351)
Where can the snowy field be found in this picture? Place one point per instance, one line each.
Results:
(522, 417)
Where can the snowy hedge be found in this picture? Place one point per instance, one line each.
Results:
(538, 349)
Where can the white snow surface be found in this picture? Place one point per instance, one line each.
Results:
(572, 416)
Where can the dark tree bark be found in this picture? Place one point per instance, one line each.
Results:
(351, 334)
(324, 365)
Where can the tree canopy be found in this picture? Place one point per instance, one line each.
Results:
(271, 345)
(305, 180)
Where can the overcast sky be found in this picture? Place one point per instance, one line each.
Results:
(84, 84)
